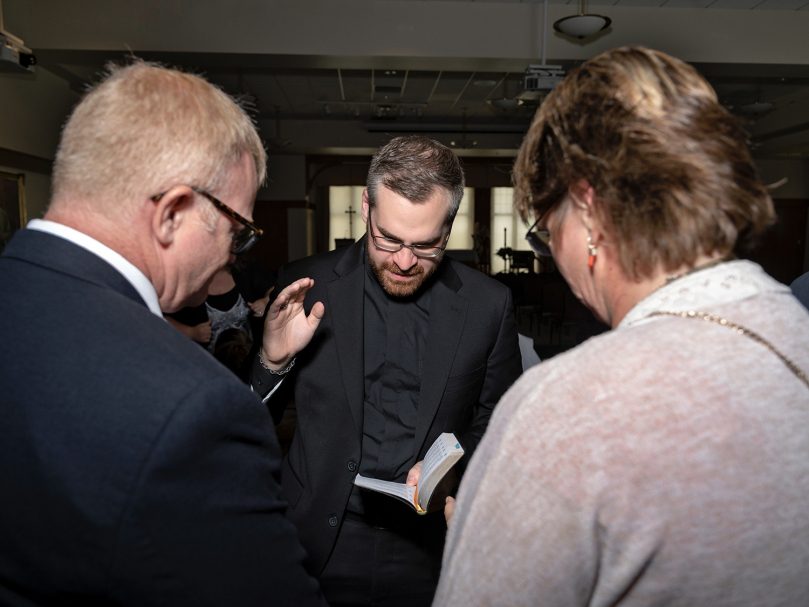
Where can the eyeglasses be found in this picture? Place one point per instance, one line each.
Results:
(390, 245)
(539, 239)
(244, 239)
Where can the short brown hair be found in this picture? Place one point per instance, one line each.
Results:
(669, 165)
(413, 166)
(146, 128)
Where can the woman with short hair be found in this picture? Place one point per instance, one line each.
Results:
(665, 462)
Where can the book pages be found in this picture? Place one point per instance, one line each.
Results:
(406, 493)
(444, 453)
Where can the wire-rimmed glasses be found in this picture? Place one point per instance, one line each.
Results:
(391, 245)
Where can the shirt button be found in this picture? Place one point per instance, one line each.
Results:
(333, 520)
(352, 465)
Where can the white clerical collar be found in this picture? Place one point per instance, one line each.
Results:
(132, 274)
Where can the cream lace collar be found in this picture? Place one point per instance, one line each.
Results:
(703, 290)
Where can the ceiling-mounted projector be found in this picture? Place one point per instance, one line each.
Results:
(14, 55)
(542, 77)
(539, 80)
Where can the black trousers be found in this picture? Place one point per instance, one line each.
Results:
(387, 562)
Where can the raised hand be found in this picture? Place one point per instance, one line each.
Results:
(287, 328)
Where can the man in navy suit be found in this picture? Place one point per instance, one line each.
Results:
(800, 289)
(135, 469)
(412, 344)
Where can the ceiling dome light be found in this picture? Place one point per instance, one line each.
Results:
(582, 25)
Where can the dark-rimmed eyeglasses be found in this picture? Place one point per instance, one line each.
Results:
(539, 240)
(391, 245)
(244, 239)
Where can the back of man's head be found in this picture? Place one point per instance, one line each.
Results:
(144, 129)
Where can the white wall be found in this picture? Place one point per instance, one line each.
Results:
(33, 108)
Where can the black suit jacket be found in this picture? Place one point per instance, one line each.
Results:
(473, 357)
(136, 470)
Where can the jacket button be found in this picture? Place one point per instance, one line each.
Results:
(333, 520)
(352, 465)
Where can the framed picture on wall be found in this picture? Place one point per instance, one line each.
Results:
(12, 205)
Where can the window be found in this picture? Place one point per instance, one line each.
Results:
(345, 213)
(461, 235)
(508, 230)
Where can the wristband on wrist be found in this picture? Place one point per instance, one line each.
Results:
(265, 365)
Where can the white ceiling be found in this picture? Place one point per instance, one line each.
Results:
(378, 67)
(769, 5)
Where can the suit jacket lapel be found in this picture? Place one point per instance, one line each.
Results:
(447, 318)
(345, 300)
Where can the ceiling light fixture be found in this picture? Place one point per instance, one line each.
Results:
(582, 25)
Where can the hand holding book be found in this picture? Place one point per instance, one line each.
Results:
(442, 455)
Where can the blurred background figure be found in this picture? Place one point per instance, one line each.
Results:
(481, 247)
(665, 462)
(800, 288)
(230, 316)
(256, 283)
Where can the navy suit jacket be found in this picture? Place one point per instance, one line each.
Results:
(472, 358)
(135, 469)
(800, 289)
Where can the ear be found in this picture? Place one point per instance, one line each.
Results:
(583, 196)
(365, 205)
(170, 212)
(585, 202)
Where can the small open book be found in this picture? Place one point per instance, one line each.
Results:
(446, 450)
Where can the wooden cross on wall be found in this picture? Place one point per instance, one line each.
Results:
(351, 212)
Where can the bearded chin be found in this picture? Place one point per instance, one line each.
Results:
(399, 289)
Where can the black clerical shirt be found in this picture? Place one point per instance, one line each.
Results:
(394, 339)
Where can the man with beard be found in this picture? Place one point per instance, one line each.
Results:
(411, 345)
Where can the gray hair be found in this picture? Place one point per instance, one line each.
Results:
(413, 166)
(145, 128)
